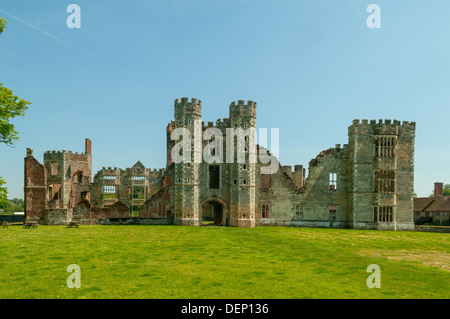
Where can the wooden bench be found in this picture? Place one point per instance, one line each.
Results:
(73, 224)
(30, 225)
(4, 224)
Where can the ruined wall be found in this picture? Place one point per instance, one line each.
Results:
(320, 194)
(128, 184)
(69, 177)
(160, 206)
(35, 188)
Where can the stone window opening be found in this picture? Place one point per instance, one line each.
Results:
(80, 177)
(299, 211)
(383, 214)
(214, 176)
(265, 211)
(332, 210)
(138, 193)
(109, 191)
(384, 181)
(84, 195)
(384, 146)
(138, 178)
(109, 177)
(333, 181)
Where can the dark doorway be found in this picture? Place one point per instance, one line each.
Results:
(212, 213)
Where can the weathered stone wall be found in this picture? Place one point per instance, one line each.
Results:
(35, 188)
(432, 229)
(58, 216)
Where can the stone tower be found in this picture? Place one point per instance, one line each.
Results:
(242, 175)
(381, 174)
(188, 116)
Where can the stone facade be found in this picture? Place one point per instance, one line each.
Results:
(367, 183)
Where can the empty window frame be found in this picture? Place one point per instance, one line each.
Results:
(333, 181)
(109, 177)
(139, 178)
(332, 212)
(384, 146)
(299, 211)
(384, 181)
(383, 214)
(214, 176)
(138, 193)
(265, 211)
(109, 191)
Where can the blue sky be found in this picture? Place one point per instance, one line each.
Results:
(312, 67)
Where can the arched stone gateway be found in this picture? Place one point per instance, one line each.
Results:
(216, 210)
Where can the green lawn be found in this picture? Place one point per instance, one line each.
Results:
(218, 262)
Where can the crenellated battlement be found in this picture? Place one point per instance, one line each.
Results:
(383, 122)
(242, 109)
(382, 127)
(194, 106)
(241, 103)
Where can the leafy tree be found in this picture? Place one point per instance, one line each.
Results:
(3, 193)
(3, 24)
(10, 107)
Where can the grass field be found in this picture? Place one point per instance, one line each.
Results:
(218, 262)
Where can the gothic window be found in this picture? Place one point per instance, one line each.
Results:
(265, 211)
(384, 181)
(214, 176)
(333, 181)
(383, 213)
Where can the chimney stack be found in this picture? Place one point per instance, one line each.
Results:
(88, 146)
(438, 189)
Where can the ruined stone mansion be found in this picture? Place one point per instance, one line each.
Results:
(365, 184)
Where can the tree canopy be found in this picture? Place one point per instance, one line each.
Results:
(10, 107)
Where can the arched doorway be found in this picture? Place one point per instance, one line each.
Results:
(214, 212)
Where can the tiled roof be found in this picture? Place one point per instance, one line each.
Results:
(421, 203)
(441, 204)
